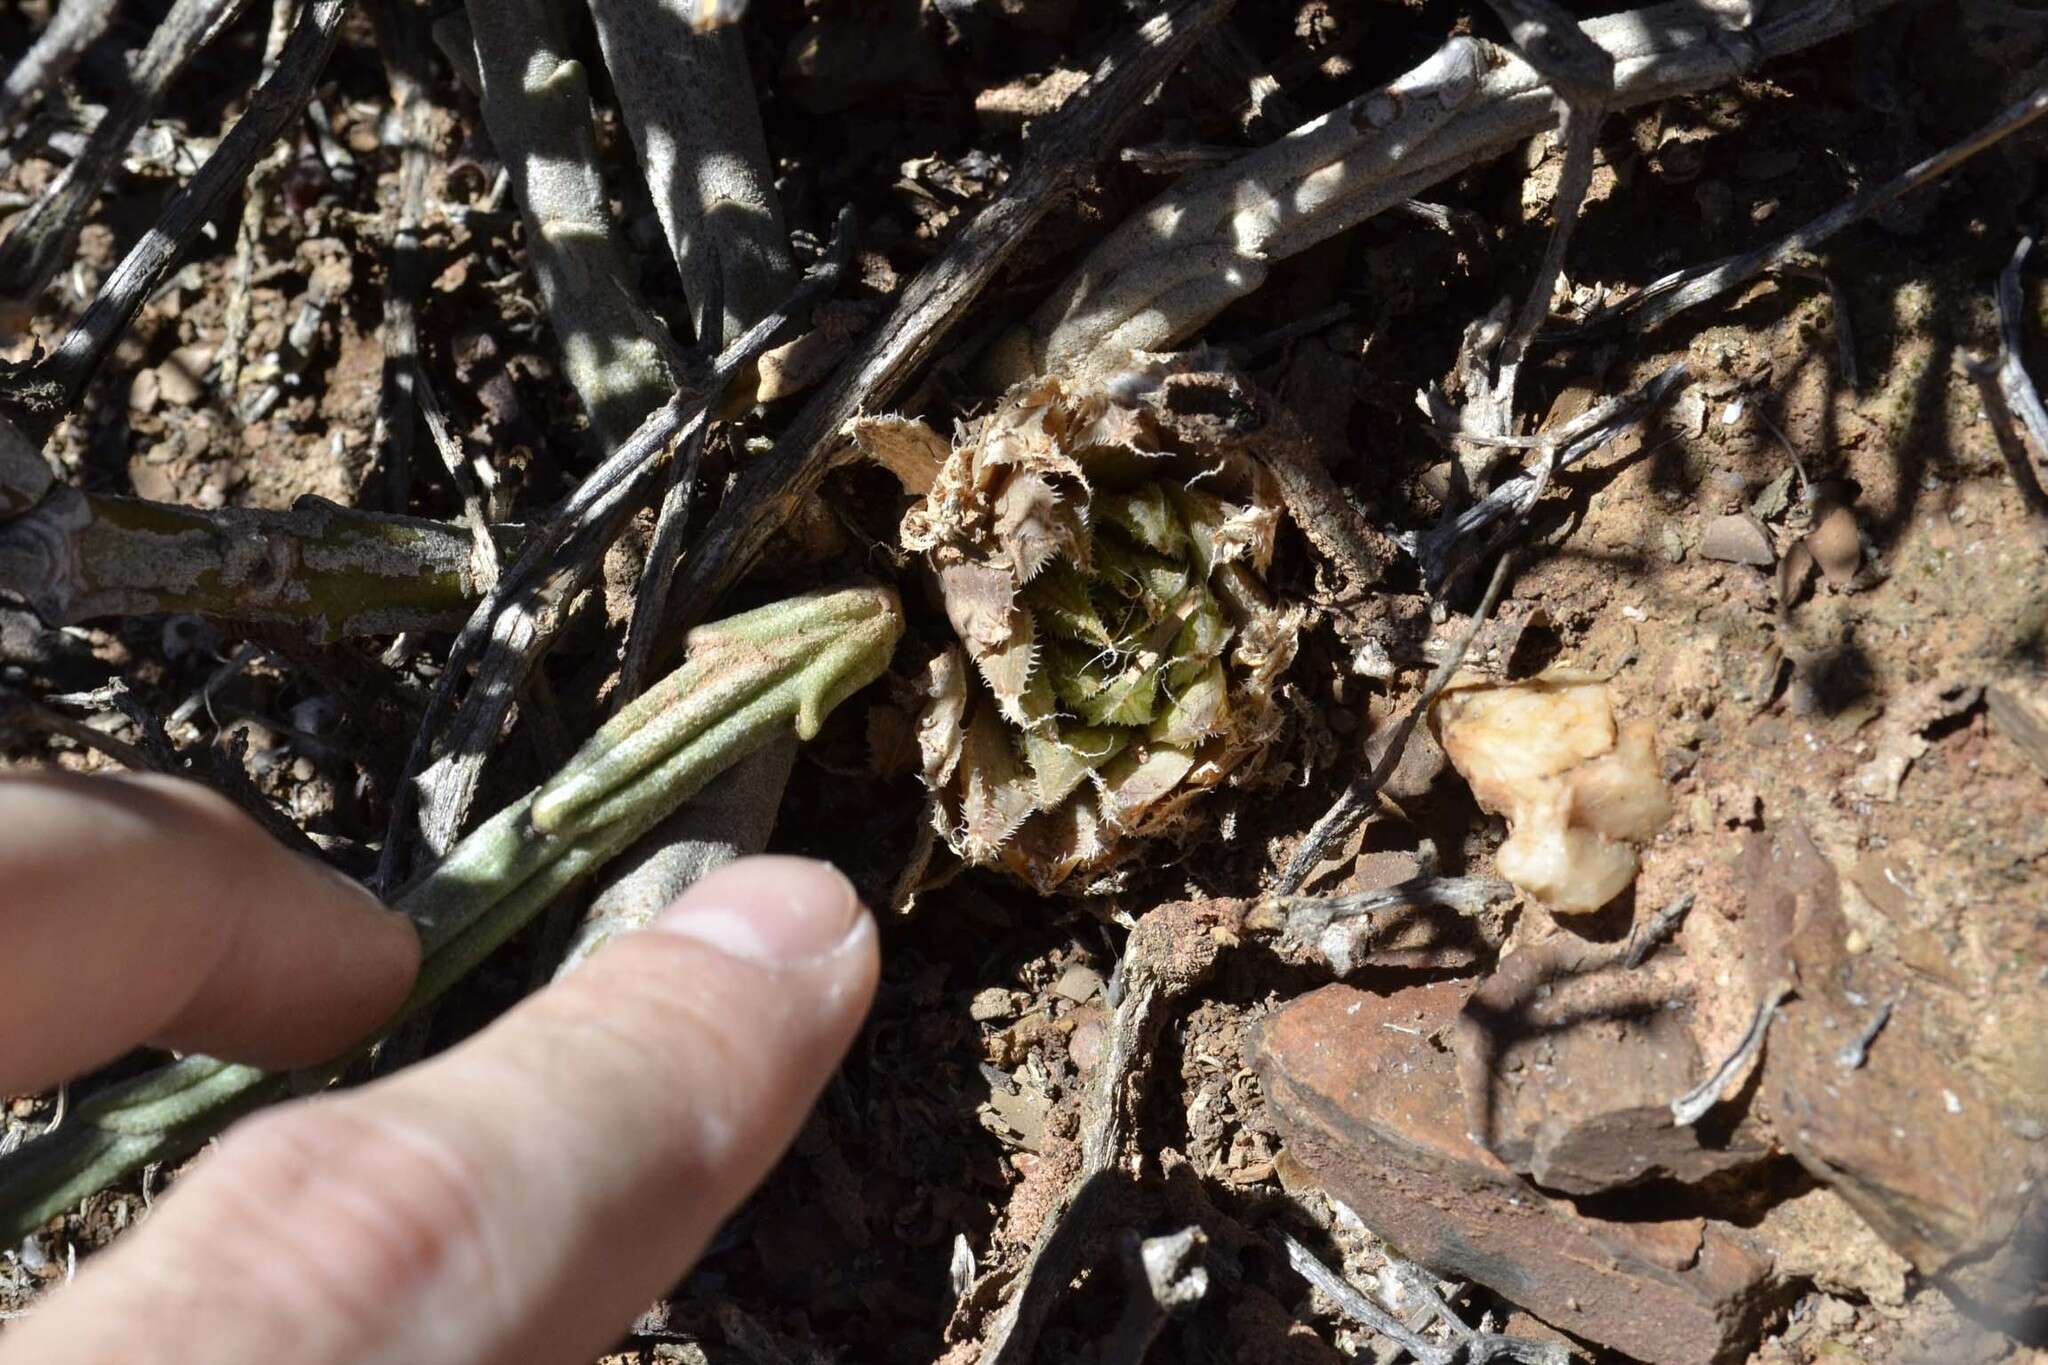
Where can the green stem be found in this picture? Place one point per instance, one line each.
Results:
(776, 668)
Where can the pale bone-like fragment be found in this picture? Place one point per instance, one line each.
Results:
(1580, 793)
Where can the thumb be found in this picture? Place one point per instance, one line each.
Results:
(523, 1195)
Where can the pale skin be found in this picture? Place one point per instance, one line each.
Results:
(520, 1197)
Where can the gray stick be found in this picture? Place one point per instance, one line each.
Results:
(1351, 807)
(52, 386)
(1694, 1103)
(536, 103)
(1207, 242)
(1466, 1347)
(1665, 299)
(42, 239)
(2013, 380)
(71, 30)
(1445, 550)
(332, 570)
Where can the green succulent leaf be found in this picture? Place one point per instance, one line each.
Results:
(1148, 516)
(1060, 597)
(1101, 688)
(1197, 703)
(1063, 761)
(1153, 581)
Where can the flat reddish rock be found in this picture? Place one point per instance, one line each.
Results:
(1568, 1059)
(1908, 1137)
(1371, 1106)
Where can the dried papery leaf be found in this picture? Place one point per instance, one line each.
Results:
(998, 793)
(980, 601)
(904, 446)
(940, 727)
(1036, 524)
(1010, 669)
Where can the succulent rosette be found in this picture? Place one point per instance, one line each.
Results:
(1118, 651)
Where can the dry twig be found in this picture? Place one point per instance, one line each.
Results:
(536, 103)
(71, 30)
(262, 182)
(1694, 1103)
(1466, 1346)
(1357, 799)
(41, 240)
(1446, 551)
(1171, 950)
(1659, 302)
(52, 386)
(402, 39)
(1206, 243)
(1166, 1280)
(688, 101)
(2008, 390)
(333, 570)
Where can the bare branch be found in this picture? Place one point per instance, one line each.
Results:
(1207, 242)
(536, 103)
(1445, 550)
(1351, 807)
(262, 181)
(53, 385)
(42, 240)
(1694, 1103)
(1548, 37)
(71, 30)
(1170, 951)
(331, 569)
(2008, 390)
(1305, 917)
(1659, 302)
(1466, 1345)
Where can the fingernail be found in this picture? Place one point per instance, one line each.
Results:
(773, 912)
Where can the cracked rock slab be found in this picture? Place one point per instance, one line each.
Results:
(1370, 1104)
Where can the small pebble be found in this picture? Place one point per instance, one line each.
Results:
(181, 380)
(1079, 984)
(1084, 1046)
(990, 1005)
(1737, 539)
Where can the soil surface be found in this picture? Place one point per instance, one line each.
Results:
(1876, 703)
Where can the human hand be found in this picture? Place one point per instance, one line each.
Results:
(519, 1197)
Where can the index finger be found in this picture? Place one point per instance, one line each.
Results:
(146, 909)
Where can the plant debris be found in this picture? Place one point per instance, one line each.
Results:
(1427, 799)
